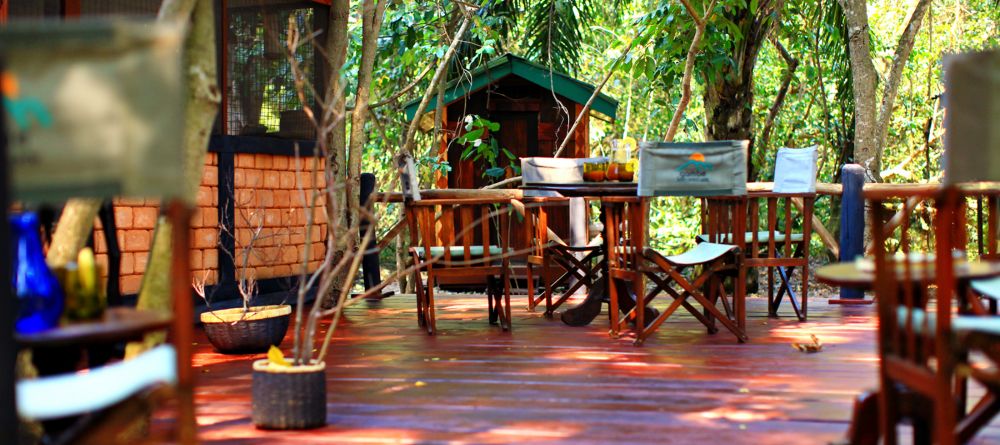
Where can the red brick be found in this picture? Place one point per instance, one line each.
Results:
(289, 255)
(264, 271)
(313, 265)
(210, 258)
(271, 254)
(272, 218)
(297, 238)
(280, 163)
(131, 284)
(272, 179)
(262, 161)
(144, 217)
(211, 159)
(317, 251)
(205, 196)
(286, 180)
(304, 180)
(321, 179)
(283, 270)
(209, 216)
(141, 259)
(100, 245)
(282, 199)
(245, 198)
(210, 175)
(319, 215)
(130, 202)
(265, 198)
(255, 178)
(205, 238)
(317, 234)
(196, 259)
(123, 217)
(101, 260)
(215, 197)
(136, 241)
(322, 231)
(243, 237)
(239, 177)
(300, 251)
(128, 263)
(244, 160)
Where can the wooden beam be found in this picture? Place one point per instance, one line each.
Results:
(821, 230)
(451, 194)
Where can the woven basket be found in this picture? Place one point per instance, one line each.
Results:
(287, 398)
(233, 331)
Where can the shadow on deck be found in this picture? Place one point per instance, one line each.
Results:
(549, 383)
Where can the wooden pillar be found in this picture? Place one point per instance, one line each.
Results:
(70, 8)
(441, 179)
(8, 349)
(369, 263)
(852, 221)
(581, 137)
(182, 330)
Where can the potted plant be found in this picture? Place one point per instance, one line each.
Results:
(249, 328)
(290, 393)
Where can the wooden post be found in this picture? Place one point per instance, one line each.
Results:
(182, 330)
(852, 221)
(8, 349)
(369, 263)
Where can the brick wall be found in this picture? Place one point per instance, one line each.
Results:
(266, 187)
(267, 193)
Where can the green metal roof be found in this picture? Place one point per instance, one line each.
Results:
(508, 65)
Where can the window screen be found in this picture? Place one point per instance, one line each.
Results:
(262, 97)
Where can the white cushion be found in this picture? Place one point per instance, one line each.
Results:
(99, 388)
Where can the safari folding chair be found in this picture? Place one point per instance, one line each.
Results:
(578, 267)
(924, 351)
(986, 243)
(715, 170)
(779, 227)
(465, 248)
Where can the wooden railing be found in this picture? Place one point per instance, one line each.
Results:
(850, 192)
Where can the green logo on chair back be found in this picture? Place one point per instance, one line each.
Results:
(695, 169)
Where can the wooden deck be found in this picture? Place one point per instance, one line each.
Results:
(550, 383)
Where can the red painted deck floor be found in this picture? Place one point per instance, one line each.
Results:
(550, 383)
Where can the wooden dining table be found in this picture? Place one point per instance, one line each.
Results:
(585, 312)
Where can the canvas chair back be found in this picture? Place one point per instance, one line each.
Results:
(559, 170)
(795, 170)
(716, 168)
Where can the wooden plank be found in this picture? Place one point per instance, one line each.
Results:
(388, 382)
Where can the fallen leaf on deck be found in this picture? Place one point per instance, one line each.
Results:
(420, 383)
(815, 346)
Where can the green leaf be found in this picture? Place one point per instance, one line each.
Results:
(495, 172)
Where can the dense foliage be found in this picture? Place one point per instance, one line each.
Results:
(585, 37)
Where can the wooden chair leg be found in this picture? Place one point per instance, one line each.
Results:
(506, 298)
(429, 303)
(613, 297)
(421, 307)
(531, 287)
(772, 306)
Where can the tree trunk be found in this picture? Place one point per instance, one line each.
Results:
(871, 124)
(199, 117)
(729, 100)
(371, 25)
(74, 228)
(335, 140)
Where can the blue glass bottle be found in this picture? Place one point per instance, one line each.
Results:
(39, 296)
